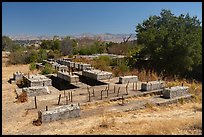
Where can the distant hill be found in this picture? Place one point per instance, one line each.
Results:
(103, 37)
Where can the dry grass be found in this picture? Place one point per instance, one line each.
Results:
(178, 118)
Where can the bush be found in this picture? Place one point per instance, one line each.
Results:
(47, 70)
(32, 66)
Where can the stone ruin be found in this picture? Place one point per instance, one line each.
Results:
(68, 77)
(59, 113)
(37, 80)
(152, 85)
(176, 91)
(36, 91)
(126, 79)
(97, 74)
(18, 76)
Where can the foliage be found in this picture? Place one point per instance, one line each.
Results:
(47, 69)
(6, 43)
(67, 46)
(32, 66)
(172, 45)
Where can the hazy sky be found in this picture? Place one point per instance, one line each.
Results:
(69, 18)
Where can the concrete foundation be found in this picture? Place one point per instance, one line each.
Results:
(97, 74)
(67, 77)
(152, 85)
(176, 91)
(126, 79)
(36, 91)
(59, 113)
(37, 80)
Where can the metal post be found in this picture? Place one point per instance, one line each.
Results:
(93, 93)
(108, 86)
(118, 91)
(71, 96)
(133, 86)
(67, 100)
(59, 99)
(101, 94)
(35, 103)
(46, 108)
(136, 86)
(122, 100)
(64, 93)
(114, 89)
(89, 97)
(107, 93)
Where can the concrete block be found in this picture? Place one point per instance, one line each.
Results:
(176, 91)
(37, 80)
(59, 113)
(18, 76)
(152, 85)
(126, 79)
(36, 91)
(97, 74)
(67, 77)
(76, 65)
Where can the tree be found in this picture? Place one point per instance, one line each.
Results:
(172, 45)
(67, 45)
(6, 43)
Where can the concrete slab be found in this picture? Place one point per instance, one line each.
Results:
(176, 91)
(126, 79)
(36, 91)
(59, 113)
(152, 85)
(67, 77)
(37, 80)
(97, 74)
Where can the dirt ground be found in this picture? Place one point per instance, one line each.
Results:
(173, 119)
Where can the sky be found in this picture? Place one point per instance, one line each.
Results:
(72, 18)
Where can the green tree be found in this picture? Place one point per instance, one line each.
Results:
(6, 43)
(172, 45)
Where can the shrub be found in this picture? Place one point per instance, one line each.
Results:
(32, 66)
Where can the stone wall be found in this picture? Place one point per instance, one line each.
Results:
(176, 91)
(126, 79)
(59, 113)
(152, 85)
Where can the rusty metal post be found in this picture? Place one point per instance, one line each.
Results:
(93, 93)
(108, 86)
(122, 100)
(67, 100)
(64, 93)
(107, 93)
(114, 88)
(89, 96)
(46, 108)
(71, 97)
(136, 86)
(59, 99)
(101, 94)
(118, 91)
(133, 86)
(36, 103)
